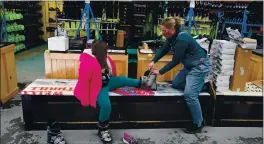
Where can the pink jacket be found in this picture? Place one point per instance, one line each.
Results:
(89, 82)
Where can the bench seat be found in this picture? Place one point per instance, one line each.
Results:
(65, 87)
(240, 109)
(46, 99)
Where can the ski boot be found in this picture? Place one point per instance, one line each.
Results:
(148, 81)
(54, 134)
(103, 133)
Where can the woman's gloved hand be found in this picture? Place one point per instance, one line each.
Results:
(151, 65)
(156, 72)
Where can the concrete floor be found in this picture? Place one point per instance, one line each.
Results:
(30, 65)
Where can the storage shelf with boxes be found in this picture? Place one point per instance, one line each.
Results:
(241, 69)
(222, 54)
(231, 60)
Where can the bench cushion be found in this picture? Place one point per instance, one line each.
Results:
(65, 87)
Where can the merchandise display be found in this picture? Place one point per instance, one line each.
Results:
(222, 68)
(125, 24)
(132, 64)
(23, 24)
(15, 28)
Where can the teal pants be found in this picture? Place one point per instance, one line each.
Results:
(103, 98)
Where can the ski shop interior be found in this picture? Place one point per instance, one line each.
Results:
(41, 44)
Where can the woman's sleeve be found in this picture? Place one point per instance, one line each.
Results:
(180, 48)
(164, 50)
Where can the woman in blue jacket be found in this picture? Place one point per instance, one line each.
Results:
(197, 65)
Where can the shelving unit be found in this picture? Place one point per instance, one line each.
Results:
(3, 23)
(12, 26)
(23, 24)
(198, 14)
(32, 14)
(106, 26)
(52, 9)
(237, 17)
(245, 25)
(126, 16)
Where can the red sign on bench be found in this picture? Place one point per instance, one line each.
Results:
(54, 87)
(62, 87)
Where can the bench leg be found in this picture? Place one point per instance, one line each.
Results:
(27, 112)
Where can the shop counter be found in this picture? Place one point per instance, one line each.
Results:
(45, 99)
(243, 109)
(66, 65)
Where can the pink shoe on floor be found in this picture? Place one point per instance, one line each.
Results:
(128, 139)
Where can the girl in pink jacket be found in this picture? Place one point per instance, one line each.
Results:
(97, 76)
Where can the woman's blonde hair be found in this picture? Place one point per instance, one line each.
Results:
(171, 22)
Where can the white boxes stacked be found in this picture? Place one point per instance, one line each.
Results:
(245, 43)
(58, 43)
(222, 55)
(203, 43)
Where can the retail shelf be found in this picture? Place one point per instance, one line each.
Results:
(240, 23)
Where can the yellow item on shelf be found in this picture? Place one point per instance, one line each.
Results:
(66, 25)
(82, 33)
(73, 25)
(47, 52)
(77, 24)
(149, 55)
(120, 39)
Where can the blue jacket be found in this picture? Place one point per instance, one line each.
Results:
(186, 51)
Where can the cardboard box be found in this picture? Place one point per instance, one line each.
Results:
(242, 58)
(222, 72)
(239, 79)
(222, 88)
(224, 44)
(59, 43)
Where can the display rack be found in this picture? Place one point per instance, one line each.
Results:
(91, 27)
(244, 24)
(3, 24)
(32, 21)
(12, 28)
(52, 10)
(21, 24)
(87, 10)
(194, 16)
(126, 16)
(191, 18)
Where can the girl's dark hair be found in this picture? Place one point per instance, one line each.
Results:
(99, 50)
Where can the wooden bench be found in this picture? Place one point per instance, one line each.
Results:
(240, 109)
(45, 99)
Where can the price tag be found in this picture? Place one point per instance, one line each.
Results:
(192, 4)
(241, 70)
